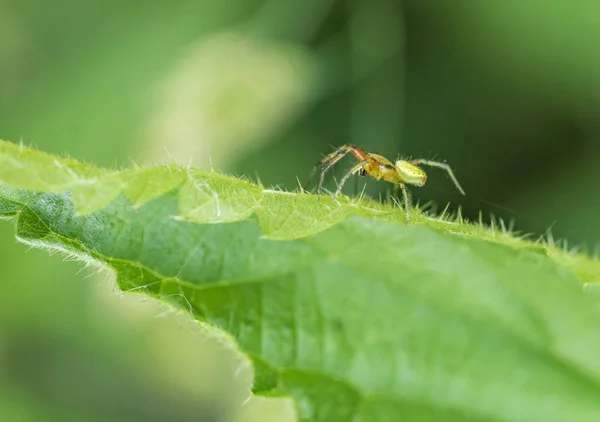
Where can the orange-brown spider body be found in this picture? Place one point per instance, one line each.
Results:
(399, 173)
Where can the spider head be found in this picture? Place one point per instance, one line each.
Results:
(410, 173)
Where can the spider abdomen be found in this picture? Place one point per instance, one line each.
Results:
(410, 173)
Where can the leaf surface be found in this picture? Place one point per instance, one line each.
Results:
(339, 305)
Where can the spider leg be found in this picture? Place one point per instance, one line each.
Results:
(331, 159)
(348, 174)
(361, 172)
(443, 166)
(325, 164)
(405, 202)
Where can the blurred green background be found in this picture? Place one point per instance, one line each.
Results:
(508, 92)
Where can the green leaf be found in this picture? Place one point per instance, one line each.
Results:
(339, 305)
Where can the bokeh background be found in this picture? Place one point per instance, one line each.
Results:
(508, 92)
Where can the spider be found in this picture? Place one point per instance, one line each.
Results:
(400, 174)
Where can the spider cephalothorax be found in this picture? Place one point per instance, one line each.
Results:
(399, 173)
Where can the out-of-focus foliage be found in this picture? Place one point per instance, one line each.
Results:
(506, 91)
